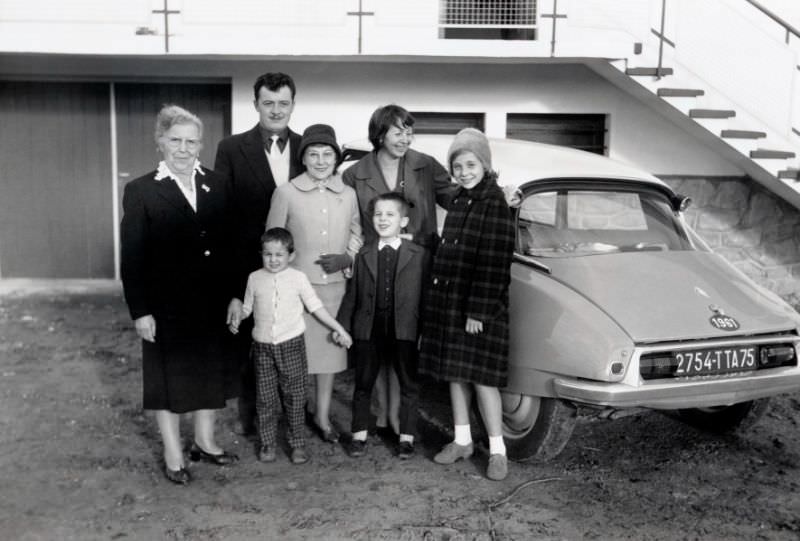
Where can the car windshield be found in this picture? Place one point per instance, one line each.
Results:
(582, 222)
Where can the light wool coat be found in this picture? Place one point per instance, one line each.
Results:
(322, 220)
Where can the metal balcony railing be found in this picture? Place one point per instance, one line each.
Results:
(466, 18)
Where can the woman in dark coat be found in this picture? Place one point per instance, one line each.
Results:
(393, 166)
(465, 324)
(174, 274)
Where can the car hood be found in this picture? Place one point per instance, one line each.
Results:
(664, 296)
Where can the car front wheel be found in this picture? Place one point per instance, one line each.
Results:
(536, 427)
(723, 419)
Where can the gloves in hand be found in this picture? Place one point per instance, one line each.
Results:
(331, 263)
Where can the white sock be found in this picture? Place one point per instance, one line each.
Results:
(463, 435)
(361, 435)
(496, 445)
(407, 437)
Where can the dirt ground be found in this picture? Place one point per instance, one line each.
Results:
(79, 459)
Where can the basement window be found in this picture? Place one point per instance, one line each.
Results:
(446, 123)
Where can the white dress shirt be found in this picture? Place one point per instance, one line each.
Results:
(394, 243)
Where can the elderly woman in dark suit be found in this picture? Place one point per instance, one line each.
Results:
(176, 284)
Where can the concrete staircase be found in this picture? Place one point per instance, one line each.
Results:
(770, 157)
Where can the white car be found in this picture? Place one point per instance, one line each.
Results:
(616, 303)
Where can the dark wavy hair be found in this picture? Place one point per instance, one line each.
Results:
(384, 118)
(278, 234)
(274, 81)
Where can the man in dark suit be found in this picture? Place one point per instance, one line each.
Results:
(255, 163)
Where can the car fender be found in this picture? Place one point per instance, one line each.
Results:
(556, 332)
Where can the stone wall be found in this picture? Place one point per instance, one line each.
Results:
(755, 230)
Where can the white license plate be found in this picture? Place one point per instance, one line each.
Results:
(701, 362)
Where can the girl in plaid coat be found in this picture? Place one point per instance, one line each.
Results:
(465, 324)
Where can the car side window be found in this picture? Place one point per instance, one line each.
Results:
(579, 222)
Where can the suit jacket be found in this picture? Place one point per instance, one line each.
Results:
(242, 162)
(175, 261)
(425, 183)
(357, 311)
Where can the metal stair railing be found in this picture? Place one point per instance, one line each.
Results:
(788, 27)
(790, 31)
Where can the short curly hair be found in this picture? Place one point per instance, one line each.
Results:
(171, 115)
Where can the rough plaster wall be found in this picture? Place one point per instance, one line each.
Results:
(750, 227)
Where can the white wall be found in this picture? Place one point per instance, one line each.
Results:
(344, 94)
(788, 10)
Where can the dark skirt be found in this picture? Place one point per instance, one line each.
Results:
(188, 368)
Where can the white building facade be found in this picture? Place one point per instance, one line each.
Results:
(80, 83)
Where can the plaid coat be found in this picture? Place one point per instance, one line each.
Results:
(470, 278)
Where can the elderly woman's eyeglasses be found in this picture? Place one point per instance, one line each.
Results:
(175, 143)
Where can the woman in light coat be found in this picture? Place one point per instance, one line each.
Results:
(322, 214)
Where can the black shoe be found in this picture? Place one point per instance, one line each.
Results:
(404, 450)
(246, 430)
(328, 435)
(179, 477)
(222, 459)
(355, 448)
(386, 433)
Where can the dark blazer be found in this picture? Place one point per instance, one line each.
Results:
(174, 260)
(357, 311)
(242, 162)
(425, 183)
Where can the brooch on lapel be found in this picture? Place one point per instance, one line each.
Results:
(206, 188)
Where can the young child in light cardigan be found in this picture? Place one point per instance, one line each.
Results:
(276, 296)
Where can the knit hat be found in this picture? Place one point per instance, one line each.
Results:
(472, 140)
(320, 134)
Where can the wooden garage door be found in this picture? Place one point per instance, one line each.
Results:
(581, 131)
(55, 180)
(137, 105)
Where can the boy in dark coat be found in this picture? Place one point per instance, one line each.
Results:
(380, 309)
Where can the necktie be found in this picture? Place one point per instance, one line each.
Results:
(274, 149)
(278, 162)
